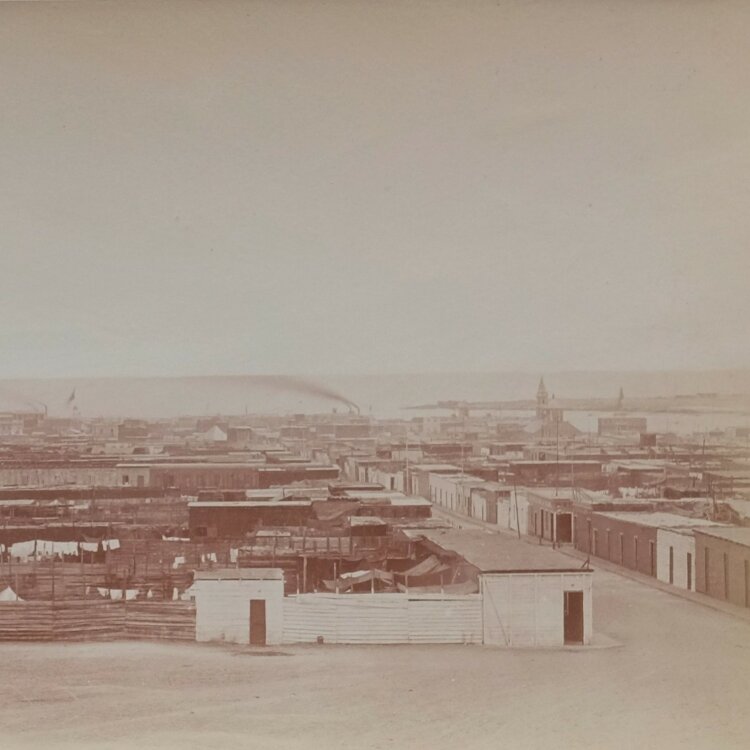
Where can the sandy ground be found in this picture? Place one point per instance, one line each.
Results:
(667, 673)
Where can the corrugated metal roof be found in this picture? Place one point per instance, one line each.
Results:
(240, 574)
(736, 534)
(366, 521)
(277, 503)
(657, 519)
(489, 551)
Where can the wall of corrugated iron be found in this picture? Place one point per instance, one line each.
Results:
(382, 618)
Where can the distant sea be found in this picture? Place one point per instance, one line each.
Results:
(381, 396)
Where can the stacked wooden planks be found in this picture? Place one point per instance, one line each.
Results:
(172, 621)
(96, 620)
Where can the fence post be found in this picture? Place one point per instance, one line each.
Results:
(83, 573)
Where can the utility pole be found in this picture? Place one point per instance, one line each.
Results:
(557, 457)
(407, 483)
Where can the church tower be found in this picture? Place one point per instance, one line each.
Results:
(542, 400)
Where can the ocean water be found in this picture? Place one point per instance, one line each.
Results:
(383, 396)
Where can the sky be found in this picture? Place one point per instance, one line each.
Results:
(353, 187)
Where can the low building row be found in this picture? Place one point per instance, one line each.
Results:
(519, 595)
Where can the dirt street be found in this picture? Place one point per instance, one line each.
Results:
(666, 673)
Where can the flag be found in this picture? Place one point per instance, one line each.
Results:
(71, 398)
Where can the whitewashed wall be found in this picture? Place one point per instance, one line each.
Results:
(682, 545)
(514, 512)
(223, 609)
(391, 480)
(527, 609)
(382, 618)
(478, 506)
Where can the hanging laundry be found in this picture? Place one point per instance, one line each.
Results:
(150, 594)
(115, 594)
(175, 595)
(64, 548)
(44, 548)
(23, 549)
(89, 546)
(131, 594)
(103, 592)
(233, 554)
(8, 595)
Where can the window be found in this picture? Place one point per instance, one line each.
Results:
(125, 479)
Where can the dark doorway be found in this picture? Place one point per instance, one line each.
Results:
(671, 564)
(573, 626)
(564, 528)
(257, 622)
(652, 558)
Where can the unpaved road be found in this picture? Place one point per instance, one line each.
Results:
(679, 679)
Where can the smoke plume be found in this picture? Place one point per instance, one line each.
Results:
(305, 387)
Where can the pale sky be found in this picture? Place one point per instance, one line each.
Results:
(324, 187)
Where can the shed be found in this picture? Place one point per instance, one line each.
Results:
(239, 605)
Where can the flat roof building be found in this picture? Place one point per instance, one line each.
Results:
(723, 563)
(532, 596)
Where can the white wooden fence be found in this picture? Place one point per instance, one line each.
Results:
(382, 618)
